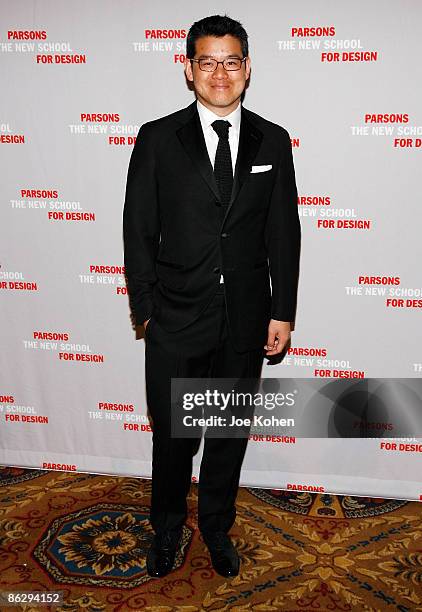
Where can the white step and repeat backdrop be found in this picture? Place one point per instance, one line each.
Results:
(78, 80)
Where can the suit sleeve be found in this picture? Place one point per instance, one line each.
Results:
(141, 225)
(283, 237)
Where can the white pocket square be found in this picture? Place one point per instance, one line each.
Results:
(260, 168)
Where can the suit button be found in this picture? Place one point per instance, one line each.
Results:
(225, 235)
(216, 270)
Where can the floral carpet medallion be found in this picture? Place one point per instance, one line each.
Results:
(106, 541)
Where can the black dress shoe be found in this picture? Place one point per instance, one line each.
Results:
(162, 552)
(224, 557)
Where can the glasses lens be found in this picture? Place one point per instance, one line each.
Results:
(232, 63)
(209, 65)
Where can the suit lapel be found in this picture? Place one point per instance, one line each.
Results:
(249, 142)
(192, 138)
(250, 138)
(193, 141)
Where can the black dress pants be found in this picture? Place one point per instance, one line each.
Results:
(203, 349)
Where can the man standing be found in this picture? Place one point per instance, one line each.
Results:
(212, 242)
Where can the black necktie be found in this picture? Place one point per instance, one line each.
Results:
(223, 171)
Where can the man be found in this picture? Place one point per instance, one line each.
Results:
(212, 241)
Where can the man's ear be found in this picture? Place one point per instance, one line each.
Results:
(188, 69)
(247, 67)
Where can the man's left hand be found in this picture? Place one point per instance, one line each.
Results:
(278, 336)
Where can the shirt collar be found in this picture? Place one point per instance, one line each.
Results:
(207, 116)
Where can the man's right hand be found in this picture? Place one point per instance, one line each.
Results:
(145, 323)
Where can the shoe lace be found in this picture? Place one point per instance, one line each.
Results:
(166, 540)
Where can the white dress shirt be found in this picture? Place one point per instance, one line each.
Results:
(207, 117)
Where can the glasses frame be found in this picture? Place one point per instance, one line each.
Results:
(221, 62)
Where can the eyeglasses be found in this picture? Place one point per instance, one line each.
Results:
(210, 65)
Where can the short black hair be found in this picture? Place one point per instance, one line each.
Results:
(216, 25)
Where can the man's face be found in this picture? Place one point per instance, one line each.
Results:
(220, 90)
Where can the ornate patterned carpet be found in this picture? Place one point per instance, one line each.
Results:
(87, 536)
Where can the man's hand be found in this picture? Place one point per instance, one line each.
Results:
(145, 323)
(278, 336)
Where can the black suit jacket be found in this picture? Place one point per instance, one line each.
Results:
(176, 243)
